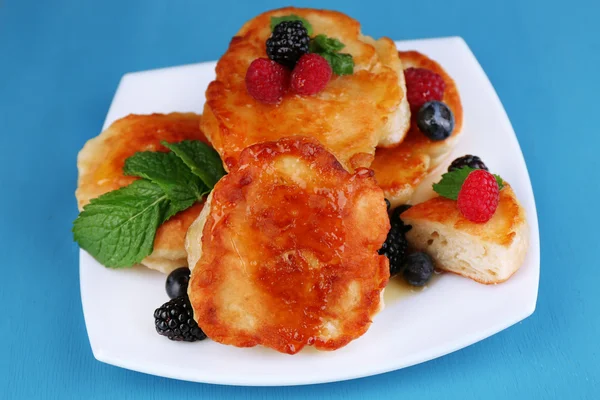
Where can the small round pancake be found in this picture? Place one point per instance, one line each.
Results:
(285, 252)
(352, 115)
(399, 170)
(100, 164)
(488, 253)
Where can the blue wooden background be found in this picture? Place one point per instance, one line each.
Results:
(60, 62)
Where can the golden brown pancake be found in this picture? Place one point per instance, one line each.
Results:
(399, 170)
(101, 162)
(284, 254)
(487, 252)
(349, 117)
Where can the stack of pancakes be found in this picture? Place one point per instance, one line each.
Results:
(285, 251)
(101, 162)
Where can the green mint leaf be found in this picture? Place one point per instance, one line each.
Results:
(168, 171)
(451, 182)
(202, 159)
(328, 48)
(292, 17)
(341, 63)
(500, 182)
(323, 44)
(175, 207)
(118, 228)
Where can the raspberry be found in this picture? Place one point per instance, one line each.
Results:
(423, 85)
(267, 80)
(478, 197)
(311, 75)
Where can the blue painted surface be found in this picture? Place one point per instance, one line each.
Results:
(60, 63)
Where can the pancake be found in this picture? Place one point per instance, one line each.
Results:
(100, 164)
(352, 115)
(284, 254)
(488, 252)
(401, 169)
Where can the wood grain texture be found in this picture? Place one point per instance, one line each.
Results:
(59, 65)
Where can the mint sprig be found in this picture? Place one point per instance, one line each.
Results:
(322, 43)
(118, 228)
(292, 17)
(181, 186)
(341, 64)
(328, 48)
(452, 182)
(201, 159)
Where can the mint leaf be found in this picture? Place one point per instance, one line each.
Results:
(500, 182)
(322, 43)
(168, 171)
(451, 182)
(118, 228)
(341, 63)
(202, 159)
(328, 48)
(292, 17)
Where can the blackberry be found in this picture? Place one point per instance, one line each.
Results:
(399, 210)
(467, 161)
(175, 320)
(288, 42)
(395, 245)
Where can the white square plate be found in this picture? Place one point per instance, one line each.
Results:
(452, 313)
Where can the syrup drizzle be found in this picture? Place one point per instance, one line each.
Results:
(398, 289)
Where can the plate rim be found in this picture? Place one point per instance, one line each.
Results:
(434, 352)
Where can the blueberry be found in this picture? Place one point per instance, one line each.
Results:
(418, 268)
(388, 204)
(435, 120)
(177, 282)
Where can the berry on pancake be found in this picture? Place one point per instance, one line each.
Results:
(311, 74)
(423, 85)
(467, 161)
(288, 42)
(267, 81)
(478, 197)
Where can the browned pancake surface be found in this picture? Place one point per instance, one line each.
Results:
(287, 253)
(349, 117)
